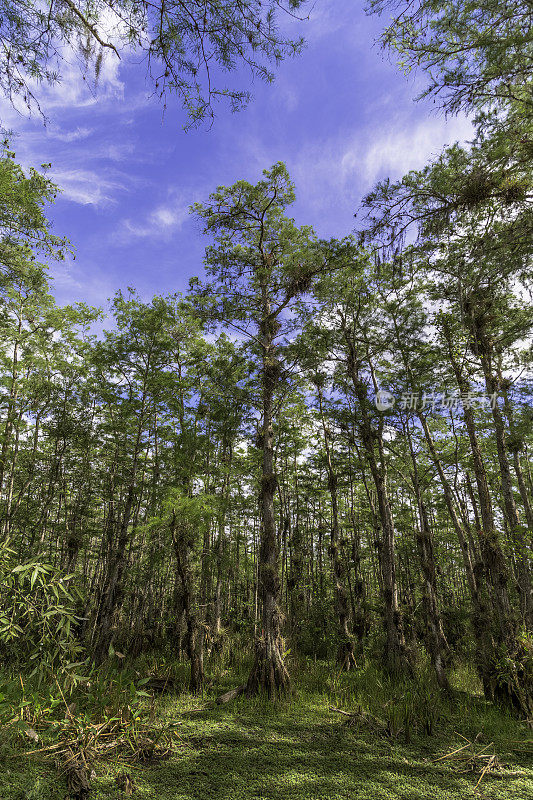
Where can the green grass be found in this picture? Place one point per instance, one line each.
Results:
(297, 749)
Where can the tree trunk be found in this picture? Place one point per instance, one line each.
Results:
(345, 650)
(436, 640)
(269, 673)
(396, 659)
(194, 632)
(482, 347)
(497, 632)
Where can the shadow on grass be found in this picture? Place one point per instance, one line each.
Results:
(240, 754)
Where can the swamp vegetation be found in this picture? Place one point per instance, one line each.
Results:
(272, 537)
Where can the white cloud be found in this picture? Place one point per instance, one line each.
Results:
(72, 136)
(333, 174)
(86, 187)
(162, 222)
(77, 88)
(89, 283)
(62, 274)
(118, 152)
(399, 151)
(338, 171)
(166, 217)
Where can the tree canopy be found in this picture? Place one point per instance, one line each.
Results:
(187, 48)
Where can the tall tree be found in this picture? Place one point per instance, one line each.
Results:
(259, 264)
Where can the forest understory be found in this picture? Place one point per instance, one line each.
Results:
(402, 740)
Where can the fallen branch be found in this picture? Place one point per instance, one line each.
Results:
(159, 685)
(363, 717)
(227, 697)
(340, 711)
(478, 761)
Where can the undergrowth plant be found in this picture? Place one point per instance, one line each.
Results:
(37, 620)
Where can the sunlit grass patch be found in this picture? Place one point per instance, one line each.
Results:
(298, 749)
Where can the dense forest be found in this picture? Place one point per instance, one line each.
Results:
(320, 453)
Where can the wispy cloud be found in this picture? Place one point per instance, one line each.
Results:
(334, 174)
(87, 187)
(71, 136)
(401, 150)
(162, 222)
(73, 281)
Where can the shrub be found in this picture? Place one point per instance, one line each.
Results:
(37, 618)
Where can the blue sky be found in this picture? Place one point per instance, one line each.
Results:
(341, 116)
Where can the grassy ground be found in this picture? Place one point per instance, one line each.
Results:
(298, 749)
